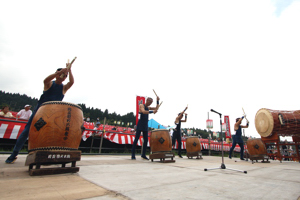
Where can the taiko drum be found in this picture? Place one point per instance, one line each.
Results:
(160, 140)
(193, 144)
(256, 147)
(282, 122)
(56, 126)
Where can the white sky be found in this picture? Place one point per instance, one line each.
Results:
(221, 55)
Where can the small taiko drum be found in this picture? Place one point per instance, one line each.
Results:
(256, 147)
(160, 141)
(193, 144)
(282, 122)
(56, 125)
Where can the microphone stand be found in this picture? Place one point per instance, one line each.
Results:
(222, 164)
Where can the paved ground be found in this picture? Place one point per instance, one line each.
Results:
(117, 177)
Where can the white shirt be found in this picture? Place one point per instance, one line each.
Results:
(23, 114)
(8, 114)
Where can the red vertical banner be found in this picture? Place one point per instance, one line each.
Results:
(227, 123)
(139, 100)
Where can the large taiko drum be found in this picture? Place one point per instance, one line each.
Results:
(56, 125)
(193, 144)
(256, 147)
(160, 141)
(282, 122)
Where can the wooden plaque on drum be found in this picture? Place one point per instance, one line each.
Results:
(40, 158)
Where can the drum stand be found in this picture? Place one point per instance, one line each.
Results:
(222, 164)
(162, 156)
(46, 158)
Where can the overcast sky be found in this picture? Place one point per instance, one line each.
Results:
(212, 54)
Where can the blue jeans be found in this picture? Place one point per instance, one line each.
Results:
(241, 144)
(137, 137)
(22, 138)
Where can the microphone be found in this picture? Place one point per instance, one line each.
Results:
(215, 111)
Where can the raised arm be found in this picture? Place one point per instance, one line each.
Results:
(57, 74)
(185, 118)
(157, 105)
(142, 110)
(71, 81)
(238, 123)
(179, 117)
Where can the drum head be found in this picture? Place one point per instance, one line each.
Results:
(264, 122)
(160, 130)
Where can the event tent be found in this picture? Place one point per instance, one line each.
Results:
(154, 124)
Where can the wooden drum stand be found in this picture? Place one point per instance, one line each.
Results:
(50, 157)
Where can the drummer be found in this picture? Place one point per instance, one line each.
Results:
(142, 126)
(53, 91)
(177, 131)
(237, 138)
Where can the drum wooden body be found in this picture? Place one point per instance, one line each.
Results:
(256, 147)
(56, 126)
(160, 140)
(282, 122)
(193, 145)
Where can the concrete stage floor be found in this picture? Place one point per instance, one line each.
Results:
(114, 177)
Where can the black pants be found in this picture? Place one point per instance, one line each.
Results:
(241, 144)
(177, 136)
(137, 137)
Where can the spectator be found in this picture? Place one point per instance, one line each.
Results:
(25, 113)
(98, 124)
(285, 150)
(5, 112)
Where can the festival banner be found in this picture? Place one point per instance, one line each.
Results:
(139, 100)
(209, 123)
(227, 123)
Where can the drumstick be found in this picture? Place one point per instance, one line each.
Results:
(185, 109)
(183, 112)
(154, 92)
(160, 104)
(68, 66)
(245, 114)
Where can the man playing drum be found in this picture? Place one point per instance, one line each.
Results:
(53, 91)
(142, 126)
(177, 131)
(237, 138)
